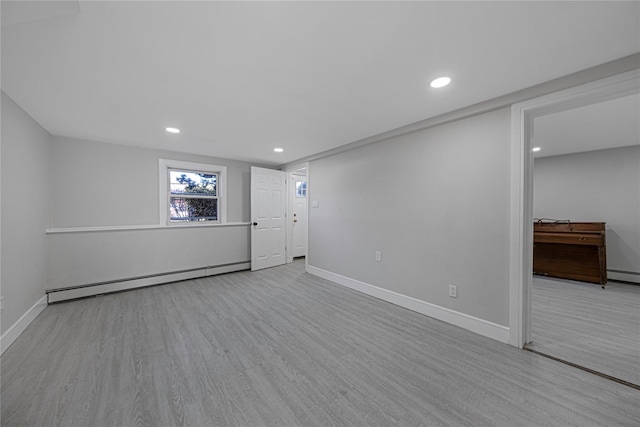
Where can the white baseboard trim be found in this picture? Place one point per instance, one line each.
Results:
(625, 276)
(17, 328)
(126, 284)
(473, 324)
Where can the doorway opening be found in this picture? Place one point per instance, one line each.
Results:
(279, 216)
(297, 212)
(586, 175)
(523, 118)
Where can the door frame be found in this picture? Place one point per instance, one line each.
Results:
(291, 177)
(291, 169)
(521, 201)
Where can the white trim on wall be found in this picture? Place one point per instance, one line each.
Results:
(17, 328)
(294, 167)
(521, 226)
(465, 321)
(138, 227)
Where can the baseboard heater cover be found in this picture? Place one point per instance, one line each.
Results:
(623, 276)
(82, 291)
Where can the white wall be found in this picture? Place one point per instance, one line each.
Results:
(435, 202)
(600, 186)
(56, 183)
(100, 184)
(82, 258)
(97, 184)
(25, 211)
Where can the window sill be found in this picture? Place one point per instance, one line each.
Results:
(139, 227)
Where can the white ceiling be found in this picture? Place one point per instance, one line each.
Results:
(240, 78)
(609, 124)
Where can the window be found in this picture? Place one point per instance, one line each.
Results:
(192, 193)
(301, 189)
(193, 196)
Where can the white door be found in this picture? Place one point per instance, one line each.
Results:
(268, 207)
(298, 218)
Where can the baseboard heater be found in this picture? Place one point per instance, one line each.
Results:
(92, 289)
(624, 276)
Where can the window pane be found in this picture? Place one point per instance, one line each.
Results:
(193, 209)
(186, 182)
(301, 189)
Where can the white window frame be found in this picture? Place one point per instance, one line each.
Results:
(221, 171)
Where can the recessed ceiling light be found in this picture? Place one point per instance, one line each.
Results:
(536, 149)
(441, 82)
(278, 150)
(173, 130)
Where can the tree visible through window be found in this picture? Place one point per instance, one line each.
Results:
(192, 193)
(193, 196)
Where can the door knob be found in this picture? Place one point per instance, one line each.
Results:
(255, 223)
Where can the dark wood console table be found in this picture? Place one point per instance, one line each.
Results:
(570, 250)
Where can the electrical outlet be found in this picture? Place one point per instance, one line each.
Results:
(453, 291)
(378, 256)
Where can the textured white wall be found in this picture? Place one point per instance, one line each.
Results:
(601, 186)
(435, 202)
(25, 211)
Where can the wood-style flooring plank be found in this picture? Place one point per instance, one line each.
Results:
(280, 347)
(589, 326)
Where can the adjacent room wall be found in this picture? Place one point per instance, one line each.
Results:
(96, 184)
(435, 203)
(600, 186)
(25, 213)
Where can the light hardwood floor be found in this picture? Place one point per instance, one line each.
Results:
(587, 325)
(283, 348)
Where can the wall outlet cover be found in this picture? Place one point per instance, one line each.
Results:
(453, 291)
